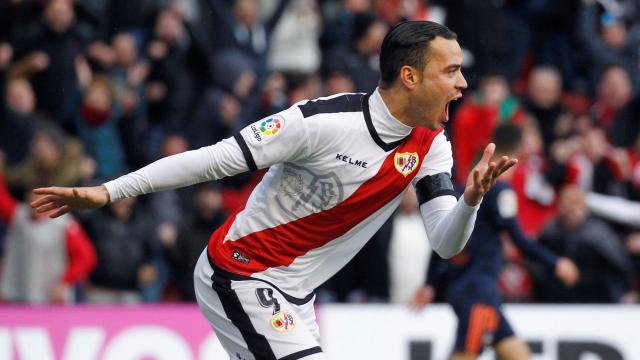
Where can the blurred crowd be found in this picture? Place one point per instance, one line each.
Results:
(92, 89)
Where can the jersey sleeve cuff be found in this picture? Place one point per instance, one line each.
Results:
(112, 190)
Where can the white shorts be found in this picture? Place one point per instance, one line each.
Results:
(253, 319)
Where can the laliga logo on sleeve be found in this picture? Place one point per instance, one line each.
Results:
(283, 322)
(406, 162)
(271, 126)
(260, 132)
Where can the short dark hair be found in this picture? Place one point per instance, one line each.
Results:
(507, 138)
(407, 44)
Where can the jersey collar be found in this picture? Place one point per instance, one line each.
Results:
(387, 131)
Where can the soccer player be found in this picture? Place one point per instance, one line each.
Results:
(338, 167)
(469, 281)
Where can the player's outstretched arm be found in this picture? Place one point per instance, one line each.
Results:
(484, 175)
(61, 200)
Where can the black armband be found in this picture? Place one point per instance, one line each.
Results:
(432, 186)
(246, 152)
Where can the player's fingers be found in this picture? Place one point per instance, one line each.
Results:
(502, 163)
(488, 153)
(42, 200)
(61, 211)
(47, 207)
(60, 191)
(476, 179)
(489, 175)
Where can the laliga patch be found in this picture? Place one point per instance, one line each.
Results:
(283, 322)
(406, 162)
(507, 203)
(260, 132)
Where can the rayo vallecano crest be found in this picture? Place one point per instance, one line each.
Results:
(406, 162)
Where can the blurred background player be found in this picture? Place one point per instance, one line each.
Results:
(469, 281)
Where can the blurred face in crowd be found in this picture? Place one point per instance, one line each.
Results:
(246, 12)
(545, 87)
(572, 208)
(531, 140)
(440, 83)
(357, 6)
(614, 89)
(174, 144)
(495, 90)
(124, 47)
(169, 26)
(45, 152)
(20, 96)
(59, 15)
(594, 144)
(123, 209)
(614, 34)
(371, 41)
(208, 202)
(98, 96)
(339, 83)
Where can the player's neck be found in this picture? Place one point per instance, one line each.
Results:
(397, 102)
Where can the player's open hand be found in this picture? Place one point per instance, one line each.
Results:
(61, 200)
(567, 271)
(423, 297)
(485, 174)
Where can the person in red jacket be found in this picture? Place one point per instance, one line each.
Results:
(43, 258)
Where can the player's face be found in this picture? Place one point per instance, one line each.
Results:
(442, 82)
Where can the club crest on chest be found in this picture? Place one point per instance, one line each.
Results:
(406, 162)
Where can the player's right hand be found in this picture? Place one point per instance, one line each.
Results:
(61, 200)
(567, 271)
(423, 297)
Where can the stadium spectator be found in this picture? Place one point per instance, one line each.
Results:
(216, 118)
(193, 234)
(126, 247)
(536, 195)
(605, 267)
(294, 47)
(96, 121)
(43, 258)
(614, 94)
(606, 41)
(47, 56)
(361, 59)
(240, 28)
(17, 107)
(544, 103)
(502, 44)
(474, 121)
(53, 158)
(180, 71)
(167, 209)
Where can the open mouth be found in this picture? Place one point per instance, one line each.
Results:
(446, 107)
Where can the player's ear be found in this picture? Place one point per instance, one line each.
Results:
(409, 76)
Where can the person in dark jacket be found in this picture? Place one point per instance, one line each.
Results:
(603, 262)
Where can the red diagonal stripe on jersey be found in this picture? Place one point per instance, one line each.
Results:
(281, 244)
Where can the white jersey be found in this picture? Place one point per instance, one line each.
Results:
(332, 183)
(338, 168)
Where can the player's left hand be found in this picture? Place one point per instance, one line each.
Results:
(485, 174)
(423, 297)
